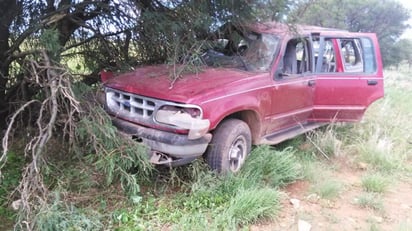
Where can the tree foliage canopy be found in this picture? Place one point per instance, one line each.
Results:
(111, 33)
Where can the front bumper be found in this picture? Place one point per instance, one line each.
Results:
(177, 146)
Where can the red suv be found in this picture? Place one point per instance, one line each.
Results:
(262, 85)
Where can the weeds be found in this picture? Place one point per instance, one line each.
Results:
(384, 140)
(326, 142)
(195, 221)
(375, 183)
(377, 152)
(58, 215)
(249, 205)
(370, 201)
(10, 178)
(328, 189)
(274, 168)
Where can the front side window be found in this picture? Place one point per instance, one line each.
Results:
(296, 59)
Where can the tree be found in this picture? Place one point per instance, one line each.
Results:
(37, 37)
(108, 33)
(385, 18)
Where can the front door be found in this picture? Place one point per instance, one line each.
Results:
(294, 84)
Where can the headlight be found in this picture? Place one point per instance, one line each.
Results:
(184, 118)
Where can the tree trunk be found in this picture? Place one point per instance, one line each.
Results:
(8, 11)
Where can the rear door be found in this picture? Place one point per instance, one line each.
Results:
(349, 77)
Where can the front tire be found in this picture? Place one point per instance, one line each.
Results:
(230, 145)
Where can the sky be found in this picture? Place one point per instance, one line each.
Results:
(407, 4)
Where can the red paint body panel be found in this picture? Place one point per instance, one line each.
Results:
(277, 103)
(155, 81)
(345, 96)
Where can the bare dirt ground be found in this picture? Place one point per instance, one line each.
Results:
(343, 213)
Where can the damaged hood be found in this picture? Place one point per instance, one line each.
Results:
(156, 82)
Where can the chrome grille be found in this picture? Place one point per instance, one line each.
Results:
(130, 106)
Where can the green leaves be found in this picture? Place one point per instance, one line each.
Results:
(50, 40)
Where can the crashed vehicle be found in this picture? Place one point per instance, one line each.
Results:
(267, 84)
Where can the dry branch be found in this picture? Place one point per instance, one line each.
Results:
(58, 102)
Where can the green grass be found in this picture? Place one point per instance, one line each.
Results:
(206, 201)
(325, 142)
(61, 215)
(375, 183)
(384, 139)
(328, 189)
(274, 168)
(247, 206)
(194, 198)
(370, 201)
(10, 178)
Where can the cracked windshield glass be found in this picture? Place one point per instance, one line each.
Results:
(253, 52)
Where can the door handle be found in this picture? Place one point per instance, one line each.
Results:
(372, 82)
(311, 83)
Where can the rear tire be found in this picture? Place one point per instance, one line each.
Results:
(230, 145)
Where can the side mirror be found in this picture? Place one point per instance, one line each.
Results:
(279, 74)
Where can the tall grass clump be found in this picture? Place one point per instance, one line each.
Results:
(249, 205)
(272, 167)
(375, 183)
(378, 151)
(228, 202)
(325, 141)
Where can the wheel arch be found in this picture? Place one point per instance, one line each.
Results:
(251, 118)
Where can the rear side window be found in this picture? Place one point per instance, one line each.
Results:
(351, 55)
(357, 55)
(368, 55)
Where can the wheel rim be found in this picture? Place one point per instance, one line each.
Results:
(237, 153)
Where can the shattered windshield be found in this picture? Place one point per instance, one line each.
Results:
(253, 52)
